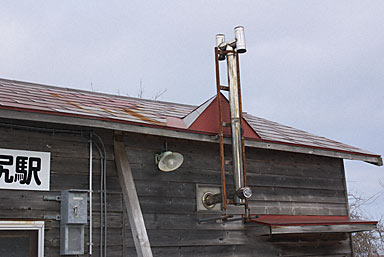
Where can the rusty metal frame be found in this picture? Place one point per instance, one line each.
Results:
(242, 130)
(221, 135)
(220, 87)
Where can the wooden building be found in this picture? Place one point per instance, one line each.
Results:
(298, 180)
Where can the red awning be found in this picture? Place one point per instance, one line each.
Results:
(284, 224)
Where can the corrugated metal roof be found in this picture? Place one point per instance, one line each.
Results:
(32, 97)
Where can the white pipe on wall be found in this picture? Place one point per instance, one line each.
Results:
(90, 194)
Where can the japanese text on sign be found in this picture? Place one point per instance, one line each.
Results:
(24, 170)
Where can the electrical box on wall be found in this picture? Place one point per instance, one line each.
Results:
(74, 205)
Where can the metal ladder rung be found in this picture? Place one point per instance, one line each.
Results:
(225, 88)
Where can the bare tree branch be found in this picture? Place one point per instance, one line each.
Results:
(140, 93)
(159, 93)
(366, 243)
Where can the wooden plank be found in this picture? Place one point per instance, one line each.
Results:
(268, 162)
(113, 251)
(147, 171)
(314, 248)
(297, 194)
(19, 201)
(213, 251)
(320, 170)
(192, 238)
(61, 182)
(52, 237)
(67, 165)
(296, 208)
(294, 181)
(131, 200)
(158, 188)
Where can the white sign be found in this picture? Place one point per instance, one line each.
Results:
(24, 170)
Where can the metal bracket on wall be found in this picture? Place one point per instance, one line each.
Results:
(52, 198)
(56, 198)
(52, 217)
(201, 191)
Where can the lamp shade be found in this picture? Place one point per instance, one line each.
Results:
(169, 161)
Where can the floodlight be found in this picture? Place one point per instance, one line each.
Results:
(168, 161)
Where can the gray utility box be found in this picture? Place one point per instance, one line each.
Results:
(74, 205)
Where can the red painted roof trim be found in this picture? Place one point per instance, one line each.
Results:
(175, 129)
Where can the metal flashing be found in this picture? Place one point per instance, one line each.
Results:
(289, 224)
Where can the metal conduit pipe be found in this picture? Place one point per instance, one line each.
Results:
(209, 199)
(102, 204)
(90, 193)
(105, 200)
(103, 189)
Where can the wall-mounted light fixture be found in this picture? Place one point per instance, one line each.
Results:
(168, 161)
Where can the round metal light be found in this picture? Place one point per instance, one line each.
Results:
(169, 161)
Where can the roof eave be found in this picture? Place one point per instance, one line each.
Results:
(177, 133)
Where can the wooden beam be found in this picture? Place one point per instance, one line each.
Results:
(79, 121)
(132, 205)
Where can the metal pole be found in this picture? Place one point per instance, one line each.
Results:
(237, 153)
(90, 194)
(222, 158)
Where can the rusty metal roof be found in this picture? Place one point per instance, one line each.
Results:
(302, 220)
(30, 97)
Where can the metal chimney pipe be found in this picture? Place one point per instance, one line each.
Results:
(237, 154)
(220, 39)
(240, 39)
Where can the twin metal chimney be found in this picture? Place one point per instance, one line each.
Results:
(229, 50)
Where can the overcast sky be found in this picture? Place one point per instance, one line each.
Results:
(313, 65)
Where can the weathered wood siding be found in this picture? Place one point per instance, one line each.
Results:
(282, 183)
(69, 170)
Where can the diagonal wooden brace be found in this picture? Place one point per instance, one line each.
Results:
(132, 205)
